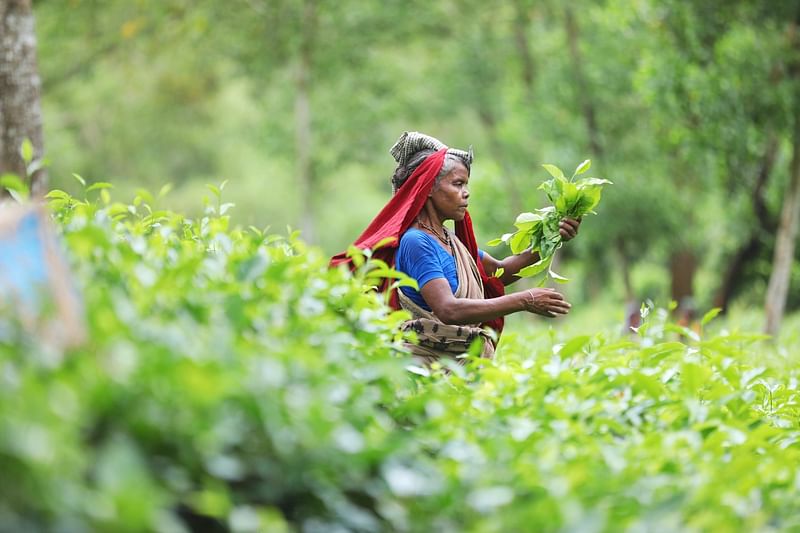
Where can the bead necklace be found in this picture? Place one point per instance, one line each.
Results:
(446, 239)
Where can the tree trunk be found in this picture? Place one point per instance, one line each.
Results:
(751, 248)
(625, 270)
(302, 116)
(778, 288)
(683, 265)
(581, 85)
(20, 88)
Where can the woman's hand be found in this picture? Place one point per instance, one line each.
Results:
(568, 228)
(545, 302)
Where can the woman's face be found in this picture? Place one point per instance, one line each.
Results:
(451, 197)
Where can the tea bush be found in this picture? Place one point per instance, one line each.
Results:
(233, 382)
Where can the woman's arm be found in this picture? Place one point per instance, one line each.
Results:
(511, 265)
(452, 310)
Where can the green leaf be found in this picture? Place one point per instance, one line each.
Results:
(12, 182)
(499, 272)
(536, 268)
(525, 218)
(590, 182)
(549, 189)
(648, 384)
(550, 227)
(79, 179)
(384, 242)
(708, 317)
(503, 239)
(557, 278)
(356, 254)
(583, 167)
(574, 345)
(386, 273)
(558, 187)
(588, 200)
(554, 171)
(99, 185)
(693, 377)
(569, 196)
(26, 151)
(57, 194)
(526, 221)
(520, 242)
(405, 281)
(145, 195)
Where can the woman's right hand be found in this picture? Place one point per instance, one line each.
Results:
(545, 302)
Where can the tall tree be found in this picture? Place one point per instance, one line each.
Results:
(750, 249)
(778, 288)
(718, 75)
(20, 88)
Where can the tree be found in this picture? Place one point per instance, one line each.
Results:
(778, 288)
(20, 109)
(721, 76)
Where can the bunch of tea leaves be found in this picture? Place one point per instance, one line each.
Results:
(539, 230)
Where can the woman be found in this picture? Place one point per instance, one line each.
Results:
(457, 300)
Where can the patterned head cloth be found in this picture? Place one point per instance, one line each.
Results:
(412, 142)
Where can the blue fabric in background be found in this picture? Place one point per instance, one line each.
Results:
(422, 258)
(23, 264)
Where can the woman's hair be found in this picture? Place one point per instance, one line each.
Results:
(403, 171)
(413, 147)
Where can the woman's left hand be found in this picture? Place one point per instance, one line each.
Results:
(568, 228)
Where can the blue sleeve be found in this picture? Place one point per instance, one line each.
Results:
(418, 258)
(480, 254)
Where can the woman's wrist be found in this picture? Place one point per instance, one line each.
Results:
(524, 300)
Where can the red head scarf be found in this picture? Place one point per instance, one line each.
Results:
(399, 214)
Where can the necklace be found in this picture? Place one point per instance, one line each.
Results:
(446, 239)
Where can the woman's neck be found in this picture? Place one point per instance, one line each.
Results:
(430, 217)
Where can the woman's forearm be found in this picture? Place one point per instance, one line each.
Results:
(462, 311)
(512, 264)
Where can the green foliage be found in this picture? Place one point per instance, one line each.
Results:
(17, 188)
(539, 231)
(206, 93)
(218, 358)
(231, 378)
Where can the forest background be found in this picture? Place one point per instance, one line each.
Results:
(689, 107)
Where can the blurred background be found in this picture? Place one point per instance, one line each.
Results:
(689, 106)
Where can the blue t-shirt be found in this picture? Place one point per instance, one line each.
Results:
(421, 257)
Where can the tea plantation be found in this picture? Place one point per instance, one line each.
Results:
(232, 382)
